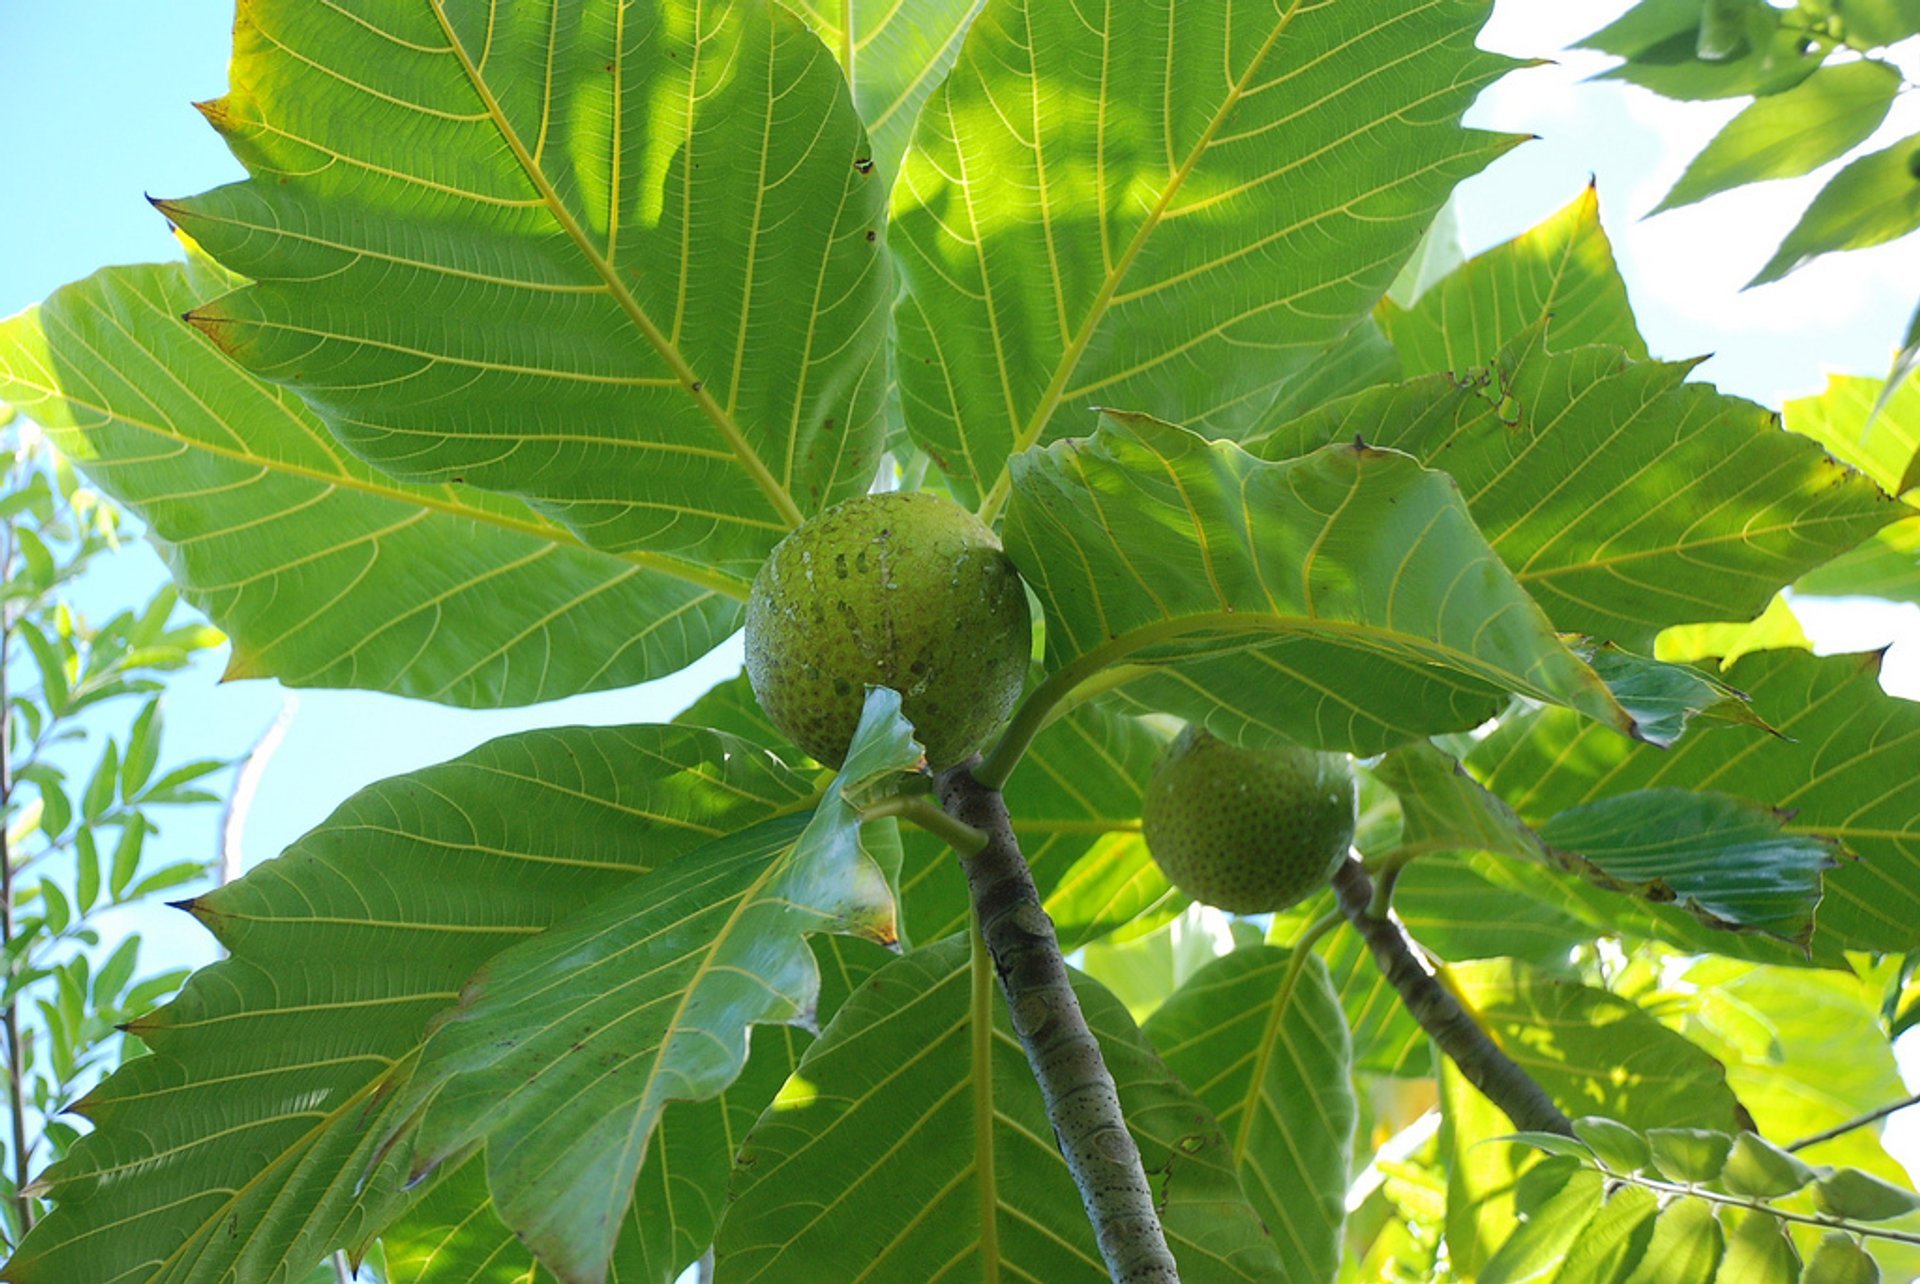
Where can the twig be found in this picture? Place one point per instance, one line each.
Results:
(16, 1058)
(1081, 1100)
(246, 783)
(1483, 1063)
(1861, 1121)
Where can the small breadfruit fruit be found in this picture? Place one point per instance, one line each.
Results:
(1247, 830)
(902, 590)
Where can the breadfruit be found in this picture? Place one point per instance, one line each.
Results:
(902, 590)
(1247, 830)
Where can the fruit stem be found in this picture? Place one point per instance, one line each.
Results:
(1440, 1014)
(964, 839)
(1081, 1100)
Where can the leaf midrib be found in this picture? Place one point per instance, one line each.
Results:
(1069, 361)
(748, 458)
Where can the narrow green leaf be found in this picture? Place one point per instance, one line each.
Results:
(51, 661)
(126, 856)
(1325, 599)
(1560, 274)
(114, 974)
(1266, 1049)
(1618, 531)
(893, 1077)
(103, 785)
(1873, 200)
(177, 874)
(436, 592)
(1172, 216)
(666, 977)
(38, 559)
(59, 912)
(143, 751)
(439, 870)
(659, 223)
(86, 882)
(1788, 134)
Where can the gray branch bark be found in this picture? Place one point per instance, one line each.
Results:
(1081, 1099)
(1486, 1067)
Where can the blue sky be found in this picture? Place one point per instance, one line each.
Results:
(97, 113)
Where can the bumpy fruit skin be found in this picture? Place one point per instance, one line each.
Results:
(901, 590)
(1247, 830)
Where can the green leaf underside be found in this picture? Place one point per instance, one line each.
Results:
(1385, 1038)
(655, 224)
(1075, 804)
(323, 571)
(1841, 765)
(1623, 499)
(566, 1049)
(1792, 133)
(1169, 209)
(1456, 913)
(261, 1102)
(1888, 566)
(1343, 600)
(1725, 860)
(1560, 274)
(891, 1076)
(1662, 43)
(1868, 425)
(1273, 1063)
(894, 55)
(453, 1235)
(1871, 201)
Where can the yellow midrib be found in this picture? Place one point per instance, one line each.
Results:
(743, 451)
(1036, 424)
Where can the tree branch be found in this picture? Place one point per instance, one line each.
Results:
(1859, 1121)
(10, 1016)
(1081, 1100)
(1486, 1067)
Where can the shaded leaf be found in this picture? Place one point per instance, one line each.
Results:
(1759, 1250)
(1171, 216)
(1756, 1167)
(1862, 1197)
(1662, 42)
(656, 223)
(1689, 1154)
(566, 1049)
(1343, 600)
(1267, 1051)
(340, 952)
(1839, 1260)
(896, 1065)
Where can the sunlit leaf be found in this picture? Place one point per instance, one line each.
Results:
(1560, 273)
(1788, 134)
(1343, 600)
(325, 571)
(1266, 1050)
(657, 226)
(893, 1075)
(1621, 497)
(1886, 566)
(1777, 626)
(1873, 200)
(1169, 214)
(1863, 422)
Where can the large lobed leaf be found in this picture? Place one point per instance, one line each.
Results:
(1265, 1047)
(565, 1050)
(960, 1172)
(1343, 599)
(622, 259)
(323, 571)
(1841, 765)
(263, 1097)
(1170, 208)
(1623, 498)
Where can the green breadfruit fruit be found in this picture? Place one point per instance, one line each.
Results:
(901, 590)
(1247, 830)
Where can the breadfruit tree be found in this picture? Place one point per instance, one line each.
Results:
(545, 347)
